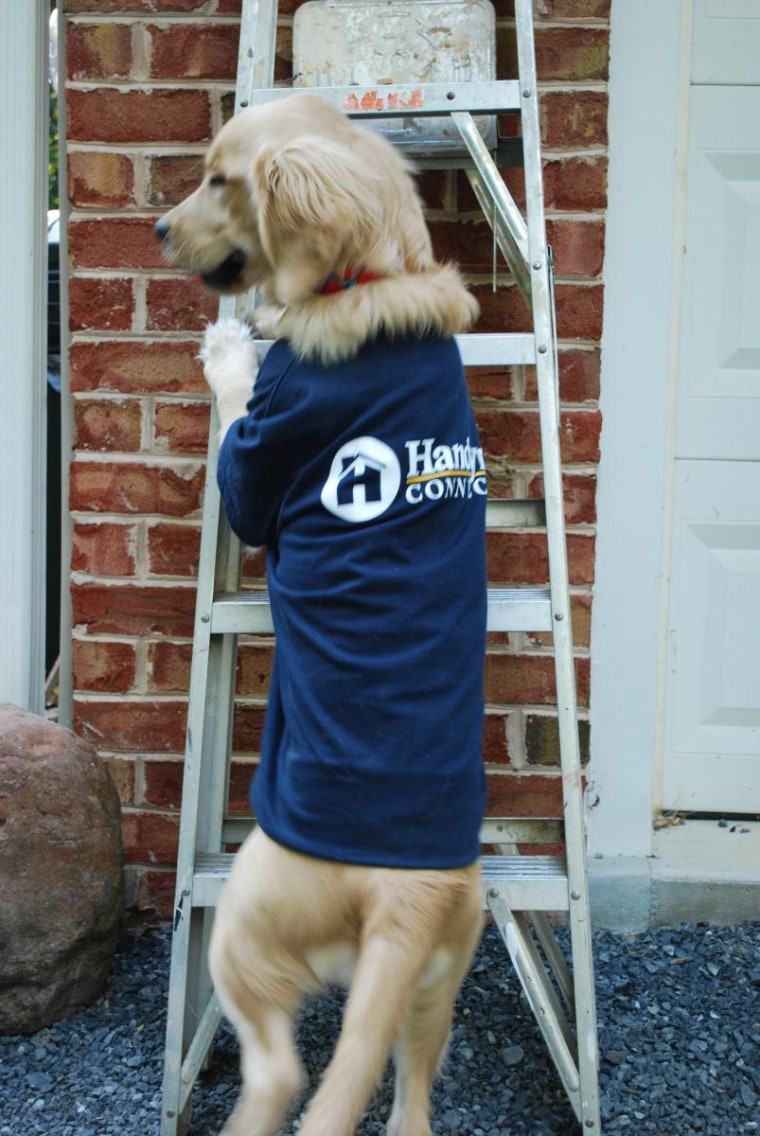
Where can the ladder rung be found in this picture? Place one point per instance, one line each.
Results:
(509, 609)
(494, 830)
(241, 613)
(522, 830)
(488, 349)
(211, 870)
(519, 609)
(497, 350)
(403, 99)
(527, 883)
(515, 512)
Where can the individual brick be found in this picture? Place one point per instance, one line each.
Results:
(98, 51)
(182, 427)
(132, 487)
(137, 366)
(193, 51)
(173, 550)
(101, 303)
(102, 424)
(103, 665)
(100, 179)
(104, 548)
(133, 610)
(136, 117)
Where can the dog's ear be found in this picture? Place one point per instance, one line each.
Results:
(311, 184)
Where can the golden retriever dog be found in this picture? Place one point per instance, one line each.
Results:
(352, 454)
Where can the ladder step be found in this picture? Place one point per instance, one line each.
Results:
(519, 609)
(513, 512)
(497, 350)
(509, 609)
(536, 883)
(527, 883)
(478, 349)
(420, 99)
(494, 830)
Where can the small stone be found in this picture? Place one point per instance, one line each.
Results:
(512, 1055)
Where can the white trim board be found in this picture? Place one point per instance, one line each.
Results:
(648, 90)
(23, 197)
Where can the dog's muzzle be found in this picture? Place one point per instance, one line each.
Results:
(227, 273)
(224, 276)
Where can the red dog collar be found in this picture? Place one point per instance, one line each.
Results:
(351, 277)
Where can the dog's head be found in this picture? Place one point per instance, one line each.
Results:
(294, 193)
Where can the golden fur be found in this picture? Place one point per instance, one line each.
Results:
(293, 193)
(401, 940)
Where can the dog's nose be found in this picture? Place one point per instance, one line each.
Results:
(161, 229)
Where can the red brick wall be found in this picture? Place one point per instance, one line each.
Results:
(148, 83)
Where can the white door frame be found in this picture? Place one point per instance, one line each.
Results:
(23, 238)
(649, 90)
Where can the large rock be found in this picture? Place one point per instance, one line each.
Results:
(61, 872)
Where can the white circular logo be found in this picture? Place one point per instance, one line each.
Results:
(363, 482)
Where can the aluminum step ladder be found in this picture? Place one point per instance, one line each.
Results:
(519, 890)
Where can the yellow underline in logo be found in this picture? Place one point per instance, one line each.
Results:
(445, 473)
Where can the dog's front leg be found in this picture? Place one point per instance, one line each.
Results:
(230, 366)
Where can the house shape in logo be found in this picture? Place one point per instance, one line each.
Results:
(360, 469)
(364, 479)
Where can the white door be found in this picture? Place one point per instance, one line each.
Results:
(711, 758)
(711, 752)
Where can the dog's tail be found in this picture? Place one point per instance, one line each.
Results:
(400, 952)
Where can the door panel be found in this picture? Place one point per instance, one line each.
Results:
(726, 41)
(719, 378)
(713, 692)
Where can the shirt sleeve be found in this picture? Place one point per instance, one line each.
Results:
(257, 462)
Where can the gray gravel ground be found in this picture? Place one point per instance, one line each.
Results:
(679, 1028)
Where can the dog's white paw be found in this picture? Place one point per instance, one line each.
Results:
(229, 362)
(228, 350)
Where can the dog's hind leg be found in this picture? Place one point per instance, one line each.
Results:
(270, 1067)
(271, 1073)
(421, 1046)
(260, 989)
(382, 984)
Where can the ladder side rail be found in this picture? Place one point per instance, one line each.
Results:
(575, 837)
(256, 50)
(216, 745)
(183, 953)
(549, 422)
(217, 699)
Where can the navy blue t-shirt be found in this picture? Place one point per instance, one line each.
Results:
(365, 480)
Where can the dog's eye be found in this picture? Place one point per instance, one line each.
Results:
(217, 180)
